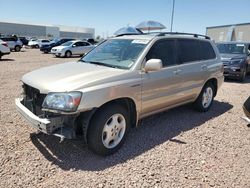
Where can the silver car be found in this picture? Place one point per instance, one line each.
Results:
(122, 80)
(75, 47)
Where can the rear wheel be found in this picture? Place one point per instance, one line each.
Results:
(17, 48)
(108, 129)
(205, 99)
(68, 54)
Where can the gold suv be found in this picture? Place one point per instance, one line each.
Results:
(126, 78)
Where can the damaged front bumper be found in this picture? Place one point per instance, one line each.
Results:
(52, 125)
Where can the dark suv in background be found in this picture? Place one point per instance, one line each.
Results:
(47, 48)
(236, 59)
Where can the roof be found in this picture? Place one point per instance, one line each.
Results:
(240, 24)
(162, 35)
(233, 42)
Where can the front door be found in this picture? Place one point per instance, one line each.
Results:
(161, 89)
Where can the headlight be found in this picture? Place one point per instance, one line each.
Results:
(236, 61)
(66, 102)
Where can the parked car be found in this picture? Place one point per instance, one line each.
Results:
(4, 49)
(37, 43)
(246, 108)
(24, 40)
(13, 43)
(236, 59)
(70, 48)
(119, 82)
(47, 47)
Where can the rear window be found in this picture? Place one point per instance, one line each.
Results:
(206, 51)
(188, 50)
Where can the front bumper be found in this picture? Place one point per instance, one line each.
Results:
(53, 126)
(57, 53)
(42, 124)
(232, 71)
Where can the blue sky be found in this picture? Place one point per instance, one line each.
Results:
(107, 16)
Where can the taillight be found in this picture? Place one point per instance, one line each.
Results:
(5, 44)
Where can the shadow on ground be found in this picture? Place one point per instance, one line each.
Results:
(6, 59)
(153, 131)
(246, 81)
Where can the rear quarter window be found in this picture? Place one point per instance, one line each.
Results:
(206, 51)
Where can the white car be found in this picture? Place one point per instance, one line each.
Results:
(4, 49)
(13, 43)
(75, 47)
(37, 43)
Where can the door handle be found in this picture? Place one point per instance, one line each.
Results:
(204, 67)
(176, 72)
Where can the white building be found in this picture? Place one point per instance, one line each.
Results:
(44, 31)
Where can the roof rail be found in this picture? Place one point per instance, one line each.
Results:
(177, 33)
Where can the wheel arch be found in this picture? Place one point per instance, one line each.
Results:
(84, 119)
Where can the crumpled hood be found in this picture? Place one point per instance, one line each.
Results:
(68, 76)
(228, 57)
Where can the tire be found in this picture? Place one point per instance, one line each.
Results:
(243, 75)
(68, 54)
(37, 46)
(108, 129)
(17, 48)
(206, 98)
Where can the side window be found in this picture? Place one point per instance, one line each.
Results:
(187, 50)
(45, 41)
(164, 50)
(206, 51)
(85, 44)
(77, 44)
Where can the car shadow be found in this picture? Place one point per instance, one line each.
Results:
(231, 80)
(152, 131)
(6, 59)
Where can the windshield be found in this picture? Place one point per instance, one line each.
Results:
(67, 43)
(117, 53)
(231, 48)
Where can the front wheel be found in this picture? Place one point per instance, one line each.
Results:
(243, 75)
(17, 48)
(108, 129)
(205, 99)
(68, 54)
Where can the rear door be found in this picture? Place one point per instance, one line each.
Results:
(194, 65)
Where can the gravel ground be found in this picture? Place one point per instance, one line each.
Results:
(177, 148)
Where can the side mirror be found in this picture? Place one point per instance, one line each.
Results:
(153, 65)
(73, 45)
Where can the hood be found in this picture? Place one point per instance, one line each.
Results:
(228, 57)
(60, 47)
(68, 76)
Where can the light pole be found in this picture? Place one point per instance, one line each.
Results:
(172, 18)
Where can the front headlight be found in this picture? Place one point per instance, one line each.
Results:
(66, 102)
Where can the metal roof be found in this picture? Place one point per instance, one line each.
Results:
(240, 24)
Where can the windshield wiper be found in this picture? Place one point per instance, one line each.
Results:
(102, 64)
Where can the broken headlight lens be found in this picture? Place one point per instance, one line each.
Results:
(66, 102)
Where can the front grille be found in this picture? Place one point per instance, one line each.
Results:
(33, 99)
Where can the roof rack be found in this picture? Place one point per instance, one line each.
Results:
(177, 33)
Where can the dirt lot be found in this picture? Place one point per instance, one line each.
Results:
(177, 148)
